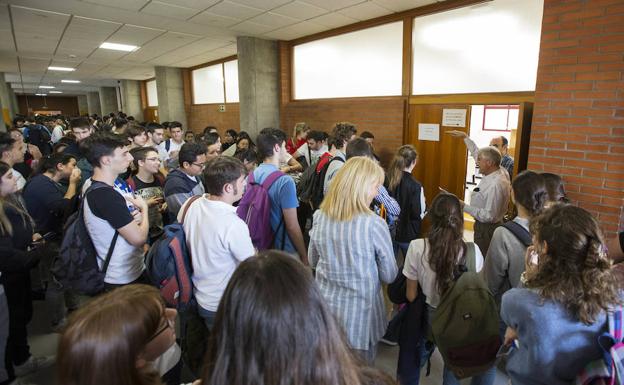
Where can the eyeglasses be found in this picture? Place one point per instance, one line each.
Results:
(200, 165)
(168, 324)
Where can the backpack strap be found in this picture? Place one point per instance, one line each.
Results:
(275, 175)
(109, 254)
(471, 257)
(188, 205)
(167, 145)
(519, 232)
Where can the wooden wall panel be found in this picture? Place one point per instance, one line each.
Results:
(68, 105)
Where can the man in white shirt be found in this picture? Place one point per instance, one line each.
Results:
(217, 238)
(315, 146)
(490, 199)
(170, 148)
(12, 152)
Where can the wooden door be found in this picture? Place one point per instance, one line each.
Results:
(441, 163)
(151, 114)
(523, 136)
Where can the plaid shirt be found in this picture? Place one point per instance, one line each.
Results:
(507, 162)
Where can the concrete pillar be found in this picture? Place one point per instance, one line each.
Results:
(93, 103)
(258, 84)
(13, 101)
(131, 99)
(5, 101)
(83, 105)
(108, 100)
(170, 95)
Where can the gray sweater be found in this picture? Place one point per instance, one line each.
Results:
(504, 262)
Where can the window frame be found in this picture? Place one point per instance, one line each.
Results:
(222, 62)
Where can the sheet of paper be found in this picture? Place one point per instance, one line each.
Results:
(429, 131)
(454, 117)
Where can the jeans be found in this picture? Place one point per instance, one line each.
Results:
(208, 316)
(400, 246)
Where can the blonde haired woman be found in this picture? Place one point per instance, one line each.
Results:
(351, 250)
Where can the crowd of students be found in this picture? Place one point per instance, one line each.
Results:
(311, 308)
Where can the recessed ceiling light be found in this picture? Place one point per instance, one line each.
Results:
(66, 69)
(40, 94)
(56, 92)
(47, 87)
(119, 47)
(70, 81)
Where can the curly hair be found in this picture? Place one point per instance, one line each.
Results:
(573, 268)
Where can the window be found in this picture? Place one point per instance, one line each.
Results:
(500, 118)
(217, 83)
(362, 63)
(152, 93)
(489, 47)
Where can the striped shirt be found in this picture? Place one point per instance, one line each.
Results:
(352, 259)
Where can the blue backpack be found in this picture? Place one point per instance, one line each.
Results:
(168, 264)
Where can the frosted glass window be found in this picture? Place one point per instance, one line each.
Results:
(231, 81)
(490, 47)
(362, 63)
(152, 93)
(208, 85)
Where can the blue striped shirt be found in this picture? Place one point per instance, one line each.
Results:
(352, 259)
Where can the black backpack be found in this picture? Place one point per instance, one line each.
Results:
(310, 187)
(76, 265)
(519, 232)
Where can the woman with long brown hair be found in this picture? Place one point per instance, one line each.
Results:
(273, 327)
(433, 262)
(112, 339)
(569, 288)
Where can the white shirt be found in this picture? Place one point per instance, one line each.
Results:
(57, 134)
(21, 181)
(489, 200)
(218, 241)
(303, 151)
(417, 268)
(173, 146)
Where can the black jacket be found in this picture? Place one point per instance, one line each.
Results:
(407, 193)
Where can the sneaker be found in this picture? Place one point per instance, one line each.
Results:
(388, 341)
(33, 364)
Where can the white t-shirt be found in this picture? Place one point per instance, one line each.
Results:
(303, 151)
(218, 241)
(21, 181)
(173, 146)
(57, 134)
(417, 268)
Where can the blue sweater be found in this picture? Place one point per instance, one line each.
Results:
(553, 346)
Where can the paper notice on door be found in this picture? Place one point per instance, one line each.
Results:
(454, 117)
(429, 131)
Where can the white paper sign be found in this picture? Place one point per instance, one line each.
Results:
(454, 117)
(428, 131)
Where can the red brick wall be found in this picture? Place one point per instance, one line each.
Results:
(578, 122)
(383, 117)
(202, 115)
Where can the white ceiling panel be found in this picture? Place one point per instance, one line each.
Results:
(195, 48)
(6, 42)
(195, 4)
(77, 47)
(403, 5)
(234, 10)
(162, 44)
(295, 31)
(333, 20)
(213, 20)
(263, 4)
(273, 20)
(131, 5)
(90, 29)
(163, 9)
(106, 55)
(34, 65)
(135, 35)
(365, 11)
(39, 44)
(85, 69)
(50, 24)
(8, 63)
(333, 5)
(300, 10)
(251, 28)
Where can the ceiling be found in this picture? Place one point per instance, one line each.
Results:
(179, 33)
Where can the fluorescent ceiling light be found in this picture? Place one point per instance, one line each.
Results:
(119, 47)
(40, 94)
(47, 87)
(66, 69)
(70, 81)
(56, 92)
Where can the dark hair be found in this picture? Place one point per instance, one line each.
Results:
(273, 301)
(317, 135)
(174, 124)
(151, 127)
(530, 191)
(190, 151)
(220, 171)
(504, 140)
(232, 133)
(134, 130)
(6, 142)
(359, 147)
(102, 144)
(342, 133)
(248, 155)
(367, 135)
(208, 129)
(246, 137)
(49, 162)
(139, 154)
(4, 168)
(80, 122)
(554, 187)
(446, 239)
(211, 138)
(574, 269)
(18, 119)
(268, 138)
(405, 156)
(120, 122)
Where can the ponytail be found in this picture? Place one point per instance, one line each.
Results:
(405, 156)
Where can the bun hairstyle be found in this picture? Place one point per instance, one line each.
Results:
(530, 192)
(446, 238)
